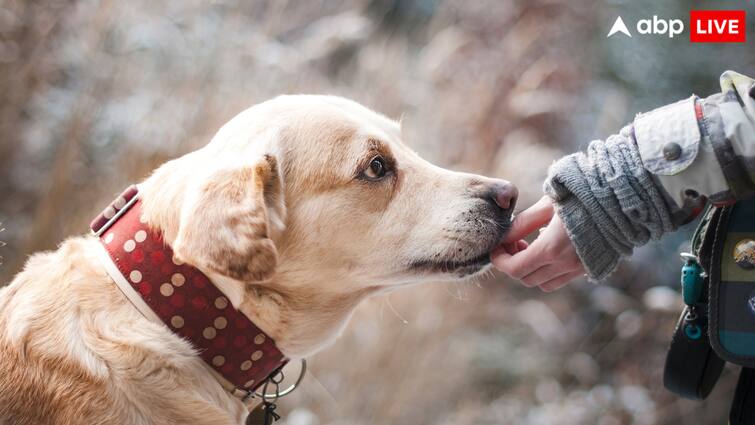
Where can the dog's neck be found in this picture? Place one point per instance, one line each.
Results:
(294, 308)
(301, 318)
(302, 311)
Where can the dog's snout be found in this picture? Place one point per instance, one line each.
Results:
(504, 194)
(499, 193)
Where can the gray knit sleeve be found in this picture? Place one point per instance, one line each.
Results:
(608, 202)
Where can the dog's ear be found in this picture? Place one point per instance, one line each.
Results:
(225, 227)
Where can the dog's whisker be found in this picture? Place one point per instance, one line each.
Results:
(459, 292)
(393, 309)
(332, 400)
(2, 243)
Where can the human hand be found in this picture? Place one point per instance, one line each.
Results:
(550, 262)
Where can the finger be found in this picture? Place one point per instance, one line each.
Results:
(561, 281)
(510, 248)
(545, 274)
(515, 247)
(518, 265)
(530, 220)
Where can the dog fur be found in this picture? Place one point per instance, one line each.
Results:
(283, 212)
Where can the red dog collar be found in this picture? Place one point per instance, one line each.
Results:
(183, 298)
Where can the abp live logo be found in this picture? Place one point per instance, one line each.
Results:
(717, 26)
(706, 26)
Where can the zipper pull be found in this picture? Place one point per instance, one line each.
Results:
(692, 279)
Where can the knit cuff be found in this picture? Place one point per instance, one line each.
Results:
(608, 202)
(597, 255)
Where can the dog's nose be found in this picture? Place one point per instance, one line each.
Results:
(504, 194)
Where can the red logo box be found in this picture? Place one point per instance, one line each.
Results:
(717, 26)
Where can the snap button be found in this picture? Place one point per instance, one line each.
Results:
(691, 193)
(744, 254)
(672, 151)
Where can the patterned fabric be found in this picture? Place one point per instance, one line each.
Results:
(101, 221)
(186, 301)
(733, 285)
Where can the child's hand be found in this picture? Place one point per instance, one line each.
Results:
(550, 262)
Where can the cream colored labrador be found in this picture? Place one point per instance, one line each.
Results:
(346, 211)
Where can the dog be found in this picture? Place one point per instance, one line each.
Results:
(298, 209)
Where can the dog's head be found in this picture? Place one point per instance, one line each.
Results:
(322, 185)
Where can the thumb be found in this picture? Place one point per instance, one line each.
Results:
(530, 220)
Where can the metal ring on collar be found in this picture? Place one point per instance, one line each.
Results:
(279, 394)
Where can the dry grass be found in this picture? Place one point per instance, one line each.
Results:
(2, 243)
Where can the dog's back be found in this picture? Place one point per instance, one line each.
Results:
(39, 384)
(73, 351)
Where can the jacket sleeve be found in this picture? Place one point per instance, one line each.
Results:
(703, 146)
(656, 174)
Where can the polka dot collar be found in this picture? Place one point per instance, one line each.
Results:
(183, 298)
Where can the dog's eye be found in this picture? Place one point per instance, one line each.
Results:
(377, 169)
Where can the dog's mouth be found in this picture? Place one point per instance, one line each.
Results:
(468, 255)
(460, 268)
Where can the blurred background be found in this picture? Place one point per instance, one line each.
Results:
(95, 94)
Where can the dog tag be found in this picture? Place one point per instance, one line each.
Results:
(270, 415)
